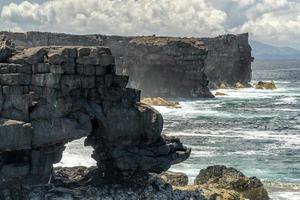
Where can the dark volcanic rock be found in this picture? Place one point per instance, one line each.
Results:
(228, 61)
(79, 183)
(160, 66)
(52, 95)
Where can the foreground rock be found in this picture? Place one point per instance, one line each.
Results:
(52, 95)
(223, 178)
(265, 85)
(85, 183)
(78, 183)
(158, 101)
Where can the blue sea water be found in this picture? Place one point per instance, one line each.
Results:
(255, 131)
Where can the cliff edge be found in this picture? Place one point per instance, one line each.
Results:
(164, 66)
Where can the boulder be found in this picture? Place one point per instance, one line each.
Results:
(265, 85)
(158, 101)
(175, 178)
(222, 86)
(239, 85)
(220, 94)
(221, 177)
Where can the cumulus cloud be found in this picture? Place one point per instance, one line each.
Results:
(127, 17)
(272, 21)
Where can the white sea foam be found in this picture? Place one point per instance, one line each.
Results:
(76, 154)
(288, 100)
(285, 196)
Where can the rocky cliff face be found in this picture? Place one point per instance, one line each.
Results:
(52, 95)
(171, 67)
(228, 61)
(164, 66)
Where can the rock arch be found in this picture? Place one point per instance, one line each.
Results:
(52, 95)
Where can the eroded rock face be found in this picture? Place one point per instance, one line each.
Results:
(52, 95)
(228, 61)
(168, 67)
(165, 66)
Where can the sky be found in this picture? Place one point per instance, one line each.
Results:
(276, 22)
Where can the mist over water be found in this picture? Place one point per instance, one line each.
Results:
(255, 131)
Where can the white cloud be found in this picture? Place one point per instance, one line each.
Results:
(273, 21)
(129, 17)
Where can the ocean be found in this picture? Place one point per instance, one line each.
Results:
(255, 131)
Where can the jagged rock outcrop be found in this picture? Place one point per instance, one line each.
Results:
(164, 66)
(52, 95)
(221, 177)
(82, 183)
(228, 61)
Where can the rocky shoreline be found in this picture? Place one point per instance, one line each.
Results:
(212, 183)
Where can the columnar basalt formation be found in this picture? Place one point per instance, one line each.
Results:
(164, 66)
(228, 62)
(52, 95)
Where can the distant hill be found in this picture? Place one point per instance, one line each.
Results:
(261, 51)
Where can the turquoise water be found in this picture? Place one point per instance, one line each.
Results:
(255, 131)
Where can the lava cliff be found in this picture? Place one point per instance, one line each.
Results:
(228, 61)
(164, 66)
